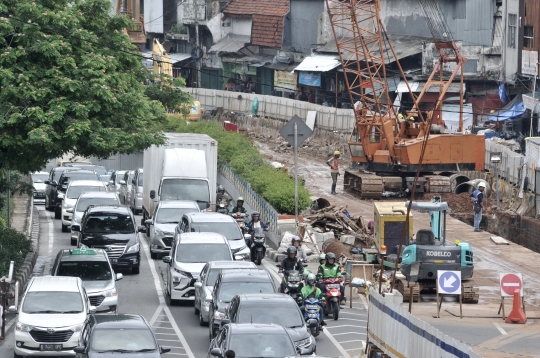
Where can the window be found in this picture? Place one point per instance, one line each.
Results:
(528, 36)
(512, 30)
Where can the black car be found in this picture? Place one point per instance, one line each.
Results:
(108, 336)
(253, 341)
(232, 282)
(99, 169)
(52, 185)
(65, 178)
(275, 308)
(112, 228)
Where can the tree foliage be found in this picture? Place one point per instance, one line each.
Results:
(70, 80)
(166, 90)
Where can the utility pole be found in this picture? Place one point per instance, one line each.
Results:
(9, 199)
(534, 101)
(198, 63)
(296, 175)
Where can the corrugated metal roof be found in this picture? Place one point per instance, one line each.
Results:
(231, 43)
(418, 86)
(177, 57)
(283, 66)
(318, 63)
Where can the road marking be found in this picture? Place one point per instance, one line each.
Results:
(157, 314)
(354, 340)
(51, 234)
(162, 305)
(163, 328)
(352, 319)
(336, 343)
(498, 326)
(356, 314)
(345, 325)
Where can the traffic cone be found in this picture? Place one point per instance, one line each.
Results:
(517, 315)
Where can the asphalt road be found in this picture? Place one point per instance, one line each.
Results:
(178, 326)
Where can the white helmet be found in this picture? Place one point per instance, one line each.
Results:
(482, 185)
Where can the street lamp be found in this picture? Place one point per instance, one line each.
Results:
(496, 159)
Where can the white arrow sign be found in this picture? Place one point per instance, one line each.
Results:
(449, 282)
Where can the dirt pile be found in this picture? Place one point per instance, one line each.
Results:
(462, 203)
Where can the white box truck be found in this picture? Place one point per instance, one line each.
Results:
(185, 168)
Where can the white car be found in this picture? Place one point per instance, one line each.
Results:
(83, 202)
(74, 189)
(189, 253)
(50, 317)
(205, 285)
(38, 180)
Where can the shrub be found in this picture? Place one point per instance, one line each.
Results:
(13, 247)
(238, 152)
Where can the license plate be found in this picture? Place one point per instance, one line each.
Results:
(50, 347)
(312, 307)
(114, 261)
(333, 286)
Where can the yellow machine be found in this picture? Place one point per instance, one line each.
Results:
(389, 221)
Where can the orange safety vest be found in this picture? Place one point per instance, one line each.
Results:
(335, 164)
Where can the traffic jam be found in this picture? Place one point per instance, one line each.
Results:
(210, 256)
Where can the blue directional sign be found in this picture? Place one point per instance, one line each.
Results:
(449, 282)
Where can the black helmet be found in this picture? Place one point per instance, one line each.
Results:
(330, 255)
(220, 188)
(255, 213)
(291, 250)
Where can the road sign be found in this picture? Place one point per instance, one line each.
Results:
(303, 131)
(511, 282)
(449, 282)
(529, 62)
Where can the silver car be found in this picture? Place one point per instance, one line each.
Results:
(114, 181)
(38, 180)
(168, 214)
(93, 267)
(205, 285)
(135, 200)
(125, 187)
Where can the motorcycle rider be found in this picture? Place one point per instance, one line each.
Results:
(239, 208)
(300, 253)
(288, 264)
(311, 290)
(256, 223)
(331, 269)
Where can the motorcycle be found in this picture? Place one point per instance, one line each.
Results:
(292, 280)
(333, 297)
(222, 209)
(312, 315)
(241, 221)
(257, 248)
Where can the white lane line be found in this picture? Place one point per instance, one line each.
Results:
(345, 325)
(159, 290)
(352, 319)
(156, 315)
(354, 340)
(163, 328)
(340, 334)
(355, 314)
(178, 354)
(51, 234)
(354, 349)
(498, 326)
(165, 334)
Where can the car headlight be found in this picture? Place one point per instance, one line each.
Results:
(67, 206)
(234, 251)
(110, 293)
(304, 342)
(76, 328)
(219, 315)
(159, 232)
(23, 327)
(76, 219)
(138, 195)
(132, 249)
(184, 273)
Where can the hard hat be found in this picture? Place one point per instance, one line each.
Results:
(337, 152)
(400, 116)
(482, 185)
(457, 242)
(411, 118)
(240, 198)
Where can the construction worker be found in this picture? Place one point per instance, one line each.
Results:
(400, 116)
(334, 169)
(478, 201)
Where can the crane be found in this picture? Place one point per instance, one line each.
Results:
(386, 147)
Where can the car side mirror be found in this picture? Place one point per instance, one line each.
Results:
(119, 276)
(198, 284)
(47, 182)
(149, 222)
(216, 352)
(54, 183)
(164, 349)
(152, 194)
(92, 309)
(76, 228)
(111, 182)
(238, 257)
(69, 211)
(141, 229)
(60, 196)
(247, 236)
(79, 349)
(166, 259)
(12, 309)
(122, 182)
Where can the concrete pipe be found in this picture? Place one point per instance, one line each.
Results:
(487, 191)
(456, 179)
(472, 185)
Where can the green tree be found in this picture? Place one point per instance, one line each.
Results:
(166, 90)
(70, 80)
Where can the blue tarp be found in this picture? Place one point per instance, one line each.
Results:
(514, 110)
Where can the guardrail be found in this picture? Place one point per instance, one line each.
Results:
(268, 213)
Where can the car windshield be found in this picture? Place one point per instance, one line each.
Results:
(52, 302)
(129, 178)
(230, 289)
(105, 178)
(84, 203)
(203, 253)
(85, 176)
(98, 169)
(75, 191)
(104, 340)
(119, 176)
(86, 270)
(287, 316)
(141, 181)
(109, 223)
(231, 231)
(39, 178)
(262, 345)
(185, 189)
(172, 215)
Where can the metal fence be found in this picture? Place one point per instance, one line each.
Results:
(510, 164)
(328, 118)
(268, 213)
(399, 334)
